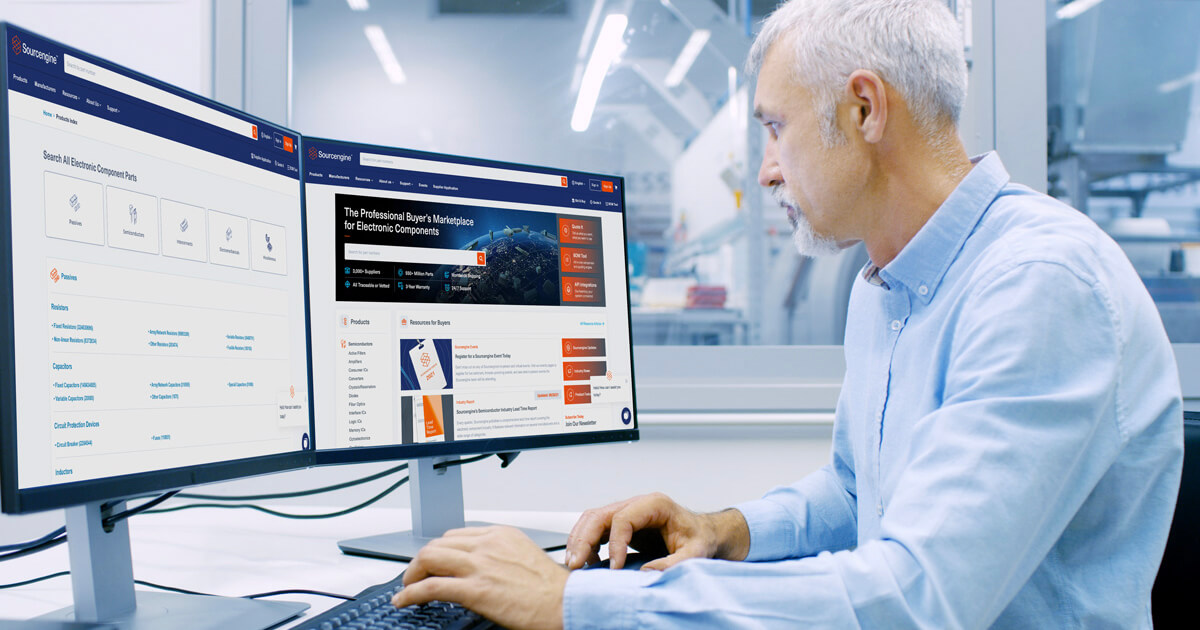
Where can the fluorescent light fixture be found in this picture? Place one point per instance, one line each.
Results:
(1075, 9)
(358, 5)
(1178, 84)
(383, 50)
(687, 56)
(609, 46)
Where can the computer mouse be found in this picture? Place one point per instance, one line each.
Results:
(633, 561)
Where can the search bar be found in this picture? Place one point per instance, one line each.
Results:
(421, 255)
(77, 67)
(462, 170)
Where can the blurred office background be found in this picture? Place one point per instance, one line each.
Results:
(1093, 101)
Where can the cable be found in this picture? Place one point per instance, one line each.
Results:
(171, 588)
(296, 591)
(109, 521)
(25, 545)
(298, 493)
(35, 580)
(53, 542)
(264, 510)
(460, 462)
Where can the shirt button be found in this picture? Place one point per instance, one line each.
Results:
(895, 324)
(923, 290)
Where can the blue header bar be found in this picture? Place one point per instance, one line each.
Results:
(52, 72)
(337, 163)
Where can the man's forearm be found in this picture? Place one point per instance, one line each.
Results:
(731, 533)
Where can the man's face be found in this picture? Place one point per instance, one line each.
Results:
(814, 183)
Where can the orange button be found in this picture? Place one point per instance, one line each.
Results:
(480, 258)
(564, 181)
(287, 144)
(606, 186)
(254, 131)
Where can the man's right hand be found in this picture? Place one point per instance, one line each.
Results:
(686, 534)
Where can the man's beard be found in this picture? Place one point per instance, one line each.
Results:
(806, 240)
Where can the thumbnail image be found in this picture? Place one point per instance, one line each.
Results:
(426, 364)
(427, 419)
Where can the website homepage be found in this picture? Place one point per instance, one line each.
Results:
(157, 274)
(456, 299)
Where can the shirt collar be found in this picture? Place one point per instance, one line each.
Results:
(923, 262)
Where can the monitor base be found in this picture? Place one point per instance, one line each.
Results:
(404, 546)
(193, 612)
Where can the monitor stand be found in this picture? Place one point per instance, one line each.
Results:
(102, 582)
(437, 506)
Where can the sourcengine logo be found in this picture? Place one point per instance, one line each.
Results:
(20, 47)
(312, 153)
(341, 157)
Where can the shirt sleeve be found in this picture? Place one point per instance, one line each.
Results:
(1027, 427)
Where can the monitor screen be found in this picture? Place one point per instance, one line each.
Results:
(153, 286)
(462, 305)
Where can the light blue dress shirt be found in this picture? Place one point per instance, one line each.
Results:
(1006, 452)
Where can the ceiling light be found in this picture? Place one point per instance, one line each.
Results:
(383, 50)
(609, 46)
(1075, 9)
(358, 5)
(687, 56)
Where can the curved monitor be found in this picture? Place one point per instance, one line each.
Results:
(152, 288)
(463, 305)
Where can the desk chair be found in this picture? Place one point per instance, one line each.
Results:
(1173, 600)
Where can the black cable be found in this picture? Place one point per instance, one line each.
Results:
(298, 493)
(298, 591)
(53, 542)
(460, 462)
(35, 580)
(264, 510)
(25, 545)
(109, 521)
(171, 588)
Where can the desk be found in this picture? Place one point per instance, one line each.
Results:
(241, 552)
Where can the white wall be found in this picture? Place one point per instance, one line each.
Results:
(169, 40)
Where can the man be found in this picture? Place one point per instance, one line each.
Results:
(1008, 441)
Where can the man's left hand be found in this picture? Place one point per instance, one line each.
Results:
(497, 572)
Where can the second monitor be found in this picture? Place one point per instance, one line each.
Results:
(461, 306)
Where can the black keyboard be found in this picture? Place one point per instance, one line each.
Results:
(372, 609)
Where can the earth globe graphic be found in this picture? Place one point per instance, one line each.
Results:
(522, 268)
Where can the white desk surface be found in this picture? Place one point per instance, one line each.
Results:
(241, 552)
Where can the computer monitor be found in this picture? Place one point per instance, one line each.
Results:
(152, 310)
(462, 306)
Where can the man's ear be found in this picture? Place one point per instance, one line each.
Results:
(867, 96)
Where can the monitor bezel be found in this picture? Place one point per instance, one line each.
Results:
(14, 499)
(391, 452)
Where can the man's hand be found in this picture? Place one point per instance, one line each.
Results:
(495, 571)
(685, 534)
